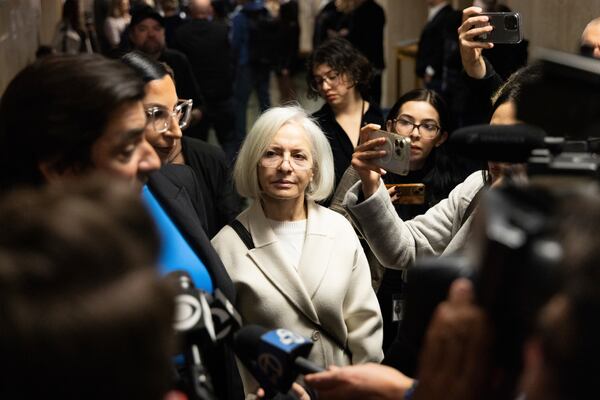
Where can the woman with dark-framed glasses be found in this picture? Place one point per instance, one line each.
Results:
(167, 117)
(296, 264)
(421, 115)
(340, 74)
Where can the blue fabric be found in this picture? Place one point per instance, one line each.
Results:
(176, 253)
(239, 31)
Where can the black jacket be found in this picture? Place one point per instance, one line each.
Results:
(366, 32)
(435, 40)
(174, 187)
(340, 143)
(220, 203)
(206, 44)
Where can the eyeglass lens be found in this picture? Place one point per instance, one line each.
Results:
(332, 79)
(426, 129)
(161, 117)
(273, 160)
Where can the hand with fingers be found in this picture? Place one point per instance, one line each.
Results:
(472, 26)
(394, 196)
(364, 381)
(455, 363)
(363, 160)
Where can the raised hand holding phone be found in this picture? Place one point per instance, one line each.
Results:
(506, 28)
(363, 159)
(474, 24)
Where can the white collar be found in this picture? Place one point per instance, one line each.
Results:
(435, 9)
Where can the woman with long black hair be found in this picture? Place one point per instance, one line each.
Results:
(421, 115)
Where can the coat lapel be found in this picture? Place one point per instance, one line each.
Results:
(270, 259)
(317, 251)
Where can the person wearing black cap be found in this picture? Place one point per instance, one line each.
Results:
(147, 35)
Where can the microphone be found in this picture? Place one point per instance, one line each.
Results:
(503, 143)
(192, 311)
(194, 323)
(225, 317)
(179, 259)
(275, 358)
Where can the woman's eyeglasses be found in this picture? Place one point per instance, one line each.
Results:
(273, 159)
(427, 130)
(332, 78)
(161, 118)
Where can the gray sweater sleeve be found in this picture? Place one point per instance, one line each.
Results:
(397, 243)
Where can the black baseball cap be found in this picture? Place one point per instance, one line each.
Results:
(138, 14)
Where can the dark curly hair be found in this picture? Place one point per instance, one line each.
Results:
(341, 56)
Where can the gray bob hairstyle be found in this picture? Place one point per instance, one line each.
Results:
(260, 137)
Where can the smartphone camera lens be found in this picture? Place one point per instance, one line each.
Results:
(511, 23)
(399, 144)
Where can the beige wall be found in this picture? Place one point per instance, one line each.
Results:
(555, 24)
(24, 24)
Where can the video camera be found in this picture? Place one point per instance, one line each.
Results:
(561, 114)
(516, 260)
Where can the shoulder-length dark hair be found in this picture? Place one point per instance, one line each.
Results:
(446, 170)
(341, 56)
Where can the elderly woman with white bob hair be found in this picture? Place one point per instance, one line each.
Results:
(304, 268)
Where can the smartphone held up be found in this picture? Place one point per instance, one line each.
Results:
(397, 148)
(506, 28)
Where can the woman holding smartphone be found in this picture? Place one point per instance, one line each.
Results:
(421, 115)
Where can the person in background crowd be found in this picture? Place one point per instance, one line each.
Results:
(366, 21)
(220, 204)
(253, 38)
(206, 44)
(117, 20)
(289, 48)
(307, 271)
(100, 10)
(326, 21)
(77, 277)
(437, 42)
(73, 34)
(173, 18)
(339, 74)
(147, 34)
(590, 39)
